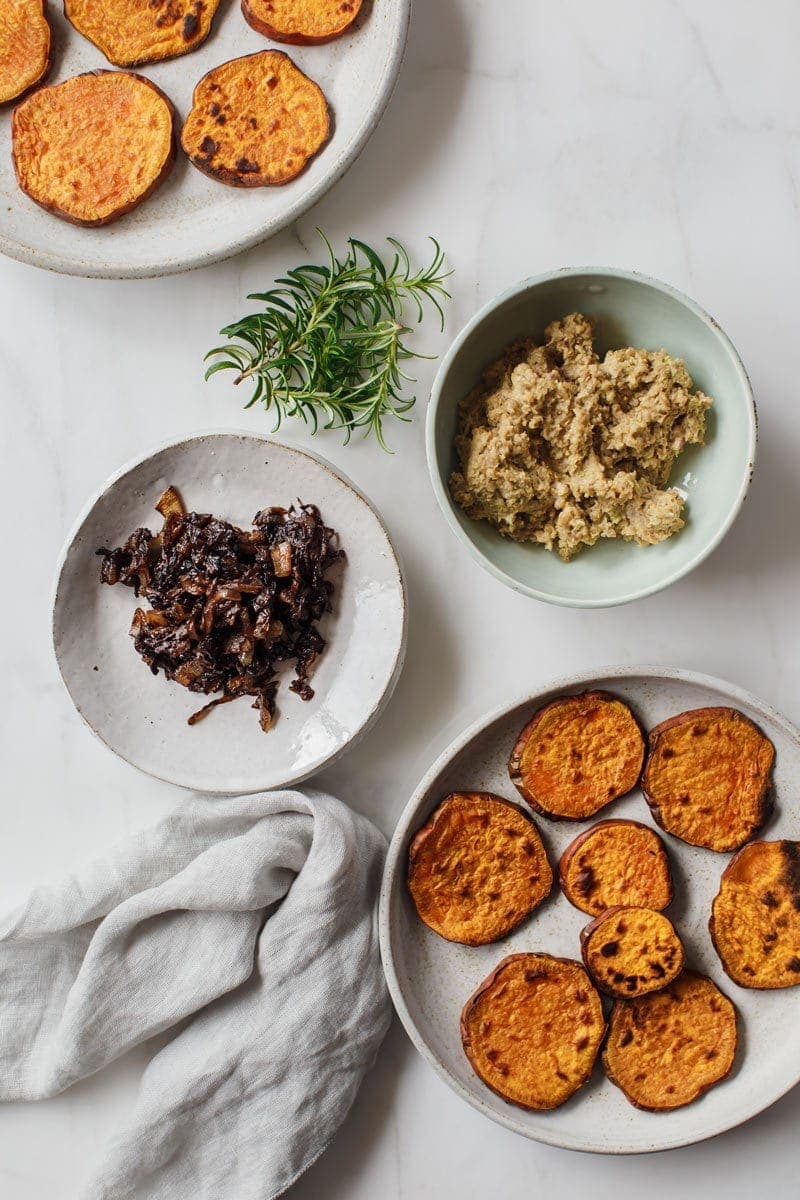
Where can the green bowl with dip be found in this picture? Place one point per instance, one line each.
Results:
(628, 310)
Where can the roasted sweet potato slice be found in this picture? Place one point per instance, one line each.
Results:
(301, 22)
(631, 951)
(666, 1049)
(477, 868)
(533, 1028)
(25, 47)
(133, 32)
(255, 121)
(616, 862)
(93, 147)
(577, 755)
(755, 917)
(707, 777)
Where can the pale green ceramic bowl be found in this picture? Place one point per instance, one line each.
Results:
(630, 310)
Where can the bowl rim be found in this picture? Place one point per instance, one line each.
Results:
(393, 879)
(442, 494)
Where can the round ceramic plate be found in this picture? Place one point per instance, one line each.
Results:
(142, 717)
(430, 979)
(192, 220)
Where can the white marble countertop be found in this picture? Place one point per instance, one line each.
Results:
(526, 135)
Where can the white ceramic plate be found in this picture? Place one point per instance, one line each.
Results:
(430, 979)
(192, 220)
(142, 717)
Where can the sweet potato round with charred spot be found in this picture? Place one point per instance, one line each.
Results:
(631, 951)
(577, 754)
(94, 147)
(707, 777)
(133, 32)
(664, 1050)
(301, 22)
(477, 868)
(25, 47)
(755, 916)
(256, 121)
(616, 862)
(533, 1028)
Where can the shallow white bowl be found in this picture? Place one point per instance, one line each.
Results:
(430, 979)
(142, 717)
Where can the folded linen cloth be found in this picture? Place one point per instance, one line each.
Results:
(257, 914)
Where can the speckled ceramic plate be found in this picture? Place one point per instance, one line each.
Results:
(143, 717)
(430, 979)
(192, 220)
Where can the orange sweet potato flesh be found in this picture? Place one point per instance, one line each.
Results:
(666, 1049)
(755, 917)
(616, 862)
(631, 951)
(93, 147)
(577, 755)
(301, 22)
(25, 47)
(707, 777)
(533, 1028)
(255, 121)
(477, 868)
(133, 32)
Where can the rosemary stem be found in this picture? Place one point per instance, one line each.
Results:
(328, 344)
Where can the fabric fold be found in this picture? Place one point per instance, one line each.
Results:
(254, 918)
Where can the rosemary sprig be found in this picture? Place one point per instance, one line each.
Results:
(330, 344)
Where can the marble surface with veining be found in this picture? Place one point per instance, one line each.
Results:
(660, 136)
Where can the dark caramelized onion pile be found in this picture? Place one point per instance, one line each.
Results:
(227, 605)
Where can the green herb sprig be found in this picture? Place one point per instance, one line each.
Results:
(330, 345)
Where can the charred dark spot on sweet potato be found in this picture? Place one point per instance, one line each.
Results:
(191, 24)
(791, 875)
(610, 949)
(585, 881)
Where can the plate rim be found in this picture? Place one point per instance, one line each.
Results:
(45, 259)
(392, 677)
(393, 872)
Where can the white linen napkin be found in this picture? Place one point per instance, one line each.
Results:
(256, 914)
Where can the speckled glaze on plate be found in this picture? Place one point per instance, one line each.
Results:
(430, 979)
(142, 717)
(629, 310)
(191, 220)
